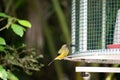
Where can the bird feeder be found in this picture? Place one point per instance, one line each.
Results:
(95, 34)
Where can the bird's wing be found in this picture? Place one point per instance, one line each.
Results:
(60, 51)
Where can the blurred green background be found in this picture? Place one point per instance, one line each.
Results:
(51, 27)
(50, 21)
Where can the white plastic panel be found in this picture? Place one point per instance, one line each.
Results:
(98, 69)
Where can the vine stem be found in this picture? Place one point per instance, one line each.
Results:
(3, 28)
(10, 21)
(8, 24)
(2, 19)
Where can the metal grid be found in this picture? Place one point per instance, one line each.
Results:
(95, 31)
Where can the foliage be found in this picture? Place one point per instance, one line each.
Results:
(11, 22)
(2, 41)
(7, 74)
(16, 58)
(3, 73)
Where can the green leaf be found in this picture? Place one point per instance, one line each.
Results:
(11, 76)
(3, 15)
(17, 29)
(2, 41)
(2, 48)
(24, 23)
(3, 73)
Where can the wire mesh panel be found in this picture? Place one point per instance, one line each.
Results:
(95, 31)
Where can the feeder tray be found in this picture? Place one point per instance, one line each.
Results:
(109, 56)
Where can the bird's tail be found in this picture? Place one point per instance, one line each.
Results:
(51, 62)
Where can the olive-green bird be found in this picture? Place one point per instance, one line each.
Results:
(63, 52)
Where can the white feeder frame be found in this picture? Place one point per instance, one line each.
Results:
(80, 52)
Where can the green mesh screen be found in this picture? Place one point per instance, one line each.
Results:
(95, 24)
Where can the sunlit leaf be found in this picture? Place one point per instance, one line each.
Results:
(25, 23)
(3, 73)
(41, 65)
(11, 76)
(17, 29)
(2, 41)
(3, 15)
(2, 48)
(39, 56)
